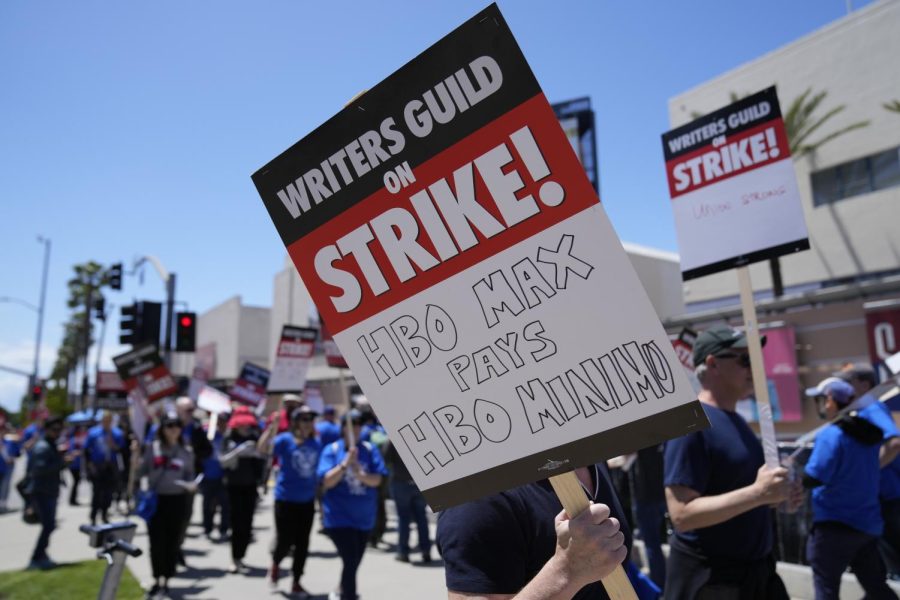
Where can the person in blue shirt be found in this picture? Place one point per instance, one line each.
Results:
(327, 429)
(297, 452)
(862, 378)
(75, 445)
(350, 479)
(102, 446)
(32, 434)
(212, 486)
(9, 451)
(719, 492)
(843, 472)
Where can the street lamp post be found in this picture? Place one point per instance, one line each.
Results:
(40, 321)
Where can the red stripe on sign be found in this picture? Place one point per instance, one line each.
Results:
(511, 179)
(750, 149)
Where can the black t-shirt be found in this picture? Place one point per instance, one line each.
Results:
(648, 475)
(497, 544)
(249, 469)
(722, 458)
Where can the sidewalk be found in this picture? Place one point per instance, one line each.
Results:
(379, 577)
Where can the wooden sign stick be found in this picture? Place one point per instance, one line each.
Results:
(760, 386)
(569, 491)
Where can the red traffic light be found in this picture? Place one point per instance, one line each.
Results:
(36, 390)
(186, 321)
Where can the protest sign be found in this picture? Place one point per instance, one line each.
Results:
(460, 257)
(204, 369)
(213, 401)
(250, 386)
(780, 358)
(733, 188)
(143, 368)
(333, 356)
(110, 392)
(292, 357)
(312, 397)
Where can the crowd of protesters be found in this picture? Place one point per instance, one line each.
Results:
(712, 485)
(315, 460)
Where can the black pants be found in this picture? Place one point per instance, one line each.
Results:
(103, 479)
(164, 529)
(242, 499)
(45, 505)
(214, 497)
(690, 578)
(76, 479)
(832, 547)
(350, 544)
(293, 522)
(889, 544)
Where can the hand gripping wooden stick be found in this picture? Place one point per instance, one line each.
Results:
(575, 501)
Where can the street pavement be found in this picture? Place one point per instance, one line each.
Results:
(380, 576)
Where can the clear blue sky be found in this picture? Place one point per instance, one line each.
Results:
(132, 128)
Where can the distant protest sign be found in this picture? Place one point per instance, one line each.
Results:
(204, 369)
(460, 257)
(250, 386)
(292, 357)
(733, 189)
(142, 368)
(110, 391)
(213, 401)
(333, 356)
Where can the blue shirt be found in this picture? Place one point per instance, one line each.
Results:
(297, 464)
(879, 414)
(714, 461)
(849, 471)
(350, 503)
(328, 432)
(212, 468)
(98, 449)
(33, 430)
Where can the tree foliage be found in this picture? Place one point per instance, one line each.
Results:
(89, 279)
(801, 122)
(893, 106)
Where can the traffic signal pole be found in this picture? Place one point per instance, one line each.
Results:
(170, 317)
(169, 280)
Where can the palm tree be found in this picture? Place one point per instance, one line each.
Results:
(84, 289)
(800, 123)
(893, 106)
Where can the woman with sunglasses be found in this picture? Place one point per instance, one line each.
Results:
(297, 452)
(350, 478)
(169, 468)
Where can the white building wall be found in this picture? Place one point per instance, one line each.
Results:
(855, 60)
(660, 274)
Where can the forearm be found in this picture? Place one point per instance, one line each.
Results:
(369, 479)
(706, 511)
(888, 452)
(333, 476)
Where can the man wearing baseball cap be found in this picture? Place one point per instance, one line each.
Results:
(719, 492)
(863, 379)
(843, 472)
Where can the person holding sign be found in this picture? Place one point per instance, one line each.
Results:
(103, 445)
(843, 472)
(244, 467)
(350, 479)
(169, 468)
(520, 543)
(297, 452)
(718, 491)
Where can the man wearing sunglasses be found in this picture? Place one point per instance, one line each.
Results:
(719, 492)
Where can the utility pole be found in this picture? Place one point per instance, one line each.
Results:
(40, 322)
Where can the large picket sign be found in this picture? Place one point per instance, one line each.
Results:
(733, 188)
(460, 257)
(143, 369)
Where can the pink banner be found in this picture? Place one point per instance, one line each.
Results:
(780, 357)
